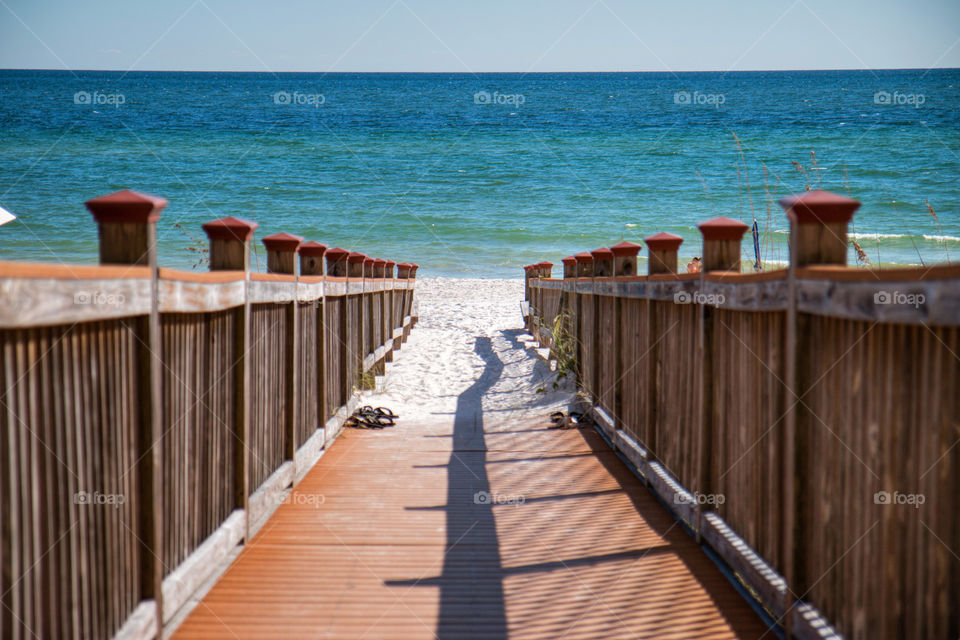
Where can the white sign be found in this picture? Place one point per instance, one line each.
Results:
(6, 216)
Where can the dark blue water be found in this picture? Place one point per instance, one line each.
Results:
(480, 174)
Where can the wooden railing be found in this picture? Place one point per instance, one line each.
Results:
(151, 419)
(804, 422)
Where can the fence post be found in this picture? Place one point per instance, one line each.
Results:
(403, 273)
(230, 243)
(818, 235)
(414, 309)
(337, 262)
(584, 270)
(127, 224)
(311, 264)
(602, 268)
(282, 253)
(390, 304)
(337, 268)
(367, 301)
(721, 252)
(230, 251)
(282, 258)
(355, 272)
(663, 253)
(379, 271)
(625, 258)
(528, 275)
(544, 270)
(624, 266)
(721, 244)
(311, 258)
(819, 220)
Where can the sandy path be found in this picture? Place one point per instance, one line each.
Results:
(465, 325)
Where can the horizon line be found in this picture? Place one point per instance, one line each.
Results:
(370, 71)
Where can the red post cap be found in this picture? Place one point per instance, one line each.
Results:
(282, 242)
(403, 265)
(230, 228)
(544, 264)
(625, 248)
(722, 229)
(414, 267)
(569, 260)
(819, 206)
(312, 249)
(583, 257)
(337, 254)
(367, 260)
(389, 264)
(603, 253)
(126, 206)
(663, 242)
(355, 257)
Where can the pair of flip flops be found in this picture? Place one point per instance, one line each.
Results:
(371, 418)
(561, 420)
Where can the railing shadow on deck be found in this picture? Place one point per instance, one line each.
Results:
(472, 581)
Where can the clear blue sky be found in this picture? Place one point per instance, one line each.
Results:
(488, 35)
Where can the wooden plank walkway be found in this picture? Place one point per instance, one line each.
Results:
(391, 535)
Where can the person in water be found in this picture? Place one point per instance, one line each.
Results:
(695, 265)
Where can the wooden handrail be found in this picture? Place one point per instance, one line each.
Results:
(157, 415)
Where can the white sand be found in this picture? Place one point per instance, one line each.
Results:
(469, 352)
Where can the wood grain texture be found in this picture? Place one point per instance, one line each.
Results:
(104, 491)
(364, 547)
(715, 371)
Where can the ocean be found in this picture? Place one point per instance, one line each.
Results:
(479, 174)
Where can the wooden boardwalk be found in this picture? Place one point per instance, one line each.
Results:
(392, 535)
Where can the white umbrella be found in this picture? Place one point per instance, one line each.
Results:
(6, 216)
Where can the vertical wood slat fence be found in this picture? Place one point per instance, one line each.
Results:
(803, 422)
(151, 419)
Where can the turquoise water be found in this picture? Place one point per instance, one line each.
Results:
(480, 174)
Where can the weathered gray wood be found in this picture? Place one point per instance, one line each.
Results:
(809, 624)
(927, 302)
(757, 574)
(141, 624)
(266, 291)
(310, 291)
(308, 454)
(38, 302)
(178, 296)
(190, 574)
(268, 496)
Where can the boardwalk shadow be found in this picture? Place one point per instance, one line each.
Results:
(471, 584)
